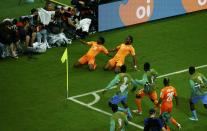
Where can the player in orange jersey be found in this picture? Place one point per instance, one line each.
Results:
(89, 57)
(166, 100)
(123, 50)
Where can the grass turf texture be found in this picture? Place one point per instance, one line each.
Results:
(33, 93)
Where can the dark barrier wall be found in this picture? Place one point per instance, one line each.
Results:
(130, 12)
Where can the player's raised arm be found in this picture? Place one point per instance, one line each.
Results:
(83, 42)
(112, 83)
(115, 49)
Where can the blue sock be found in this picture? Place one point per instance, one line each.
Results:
(126, 110)
(129, 113)
(194, 114)
(122, 109)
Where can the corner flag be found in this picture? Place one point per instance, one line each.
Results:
(65, 56)
(63, 59)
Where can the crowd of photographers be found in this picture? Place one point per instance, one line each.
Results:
(51, 26)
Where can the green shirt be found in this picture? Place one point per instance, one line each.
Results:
(198, 84)
(148, 81)
(123, 82)
(118, 121)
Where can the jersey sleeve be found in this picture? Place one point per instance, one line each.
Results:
(192, 85)
(154, 72)
(104, 50)
(113, 82)
(204, 79)
(139, 82)
(132, 51)
(90, 43)
(162, 94)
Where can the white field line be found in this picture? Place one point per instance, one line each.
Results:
(101, 111)
(97, 98)
(161, 76)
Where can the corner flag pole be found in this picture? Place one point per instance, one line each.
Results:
(64, 59)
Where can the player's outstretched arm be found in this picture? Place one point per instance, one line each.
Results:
(83, 42)
(111, 84)
(134, 85)
(113, 50)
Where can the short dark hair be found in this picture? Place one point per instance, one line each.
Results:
(131, 38)
(33, 10)
(166, 81)
(101, 40)
(146, 66)
(123, 68)
(191, 70)
(14, 21)
(114, 107)
(152, 111)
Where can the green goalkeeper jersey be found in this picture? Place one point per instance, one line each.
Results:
(198, 84)
(148, 81)
(123, 82)
(118, 121)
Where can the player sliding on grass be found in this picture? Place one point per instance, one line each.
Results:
(166, 97)
(148, 82)
(89, 57)
(123, 50)
(198, 84)
(123, 82)
(118, 120)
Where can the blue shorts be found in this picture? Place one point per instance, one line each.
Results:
(116, 99)
(197, 98)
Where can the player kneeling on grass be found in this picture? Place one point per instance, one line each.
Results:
(89, 57)
(148, 81)
(123, 82)
(198, 84)
(166, 100)
(123, 50)
(118, 119)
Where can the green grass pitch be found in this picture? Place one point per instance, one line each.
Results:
(33, 91)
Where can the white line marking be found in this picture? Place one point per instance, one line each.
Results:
(97, 98)
(72, 98)
(89, 93)
(161, 76)
(181, 71)
(101, 111)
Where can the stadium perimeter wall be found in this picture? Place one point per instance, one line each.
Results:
(129, 12)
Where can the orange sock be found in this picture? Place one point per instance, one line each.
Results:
(138, 103)
(174, 122)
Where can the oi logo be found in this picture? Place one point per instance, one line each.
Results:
(194, 5)
(136, 11)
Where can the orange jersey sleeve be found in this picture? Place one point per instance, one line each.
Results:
(96, 49)
(124, 50)
(104, 50)
(91, 43)
(132, 51)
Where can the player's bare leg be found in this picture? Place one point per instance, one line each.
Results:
(138, 102)
(91, 67)
(174, 122)
(107, 67)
